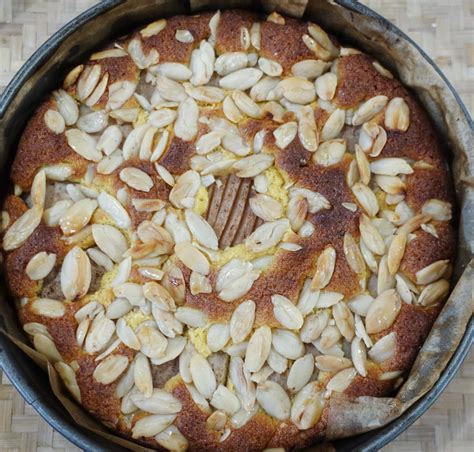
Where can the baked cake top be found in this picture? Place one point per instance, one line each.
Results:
(220, 224)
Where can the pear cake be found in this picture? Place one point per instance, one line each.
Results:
(221, 225)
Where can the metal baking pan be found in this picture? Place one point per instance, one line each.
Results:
(39, 76)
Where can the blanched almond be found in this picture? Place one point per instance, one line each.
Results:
(326, 86)
(186, 125)
(397, 115)
(224, 399)
(267, 235)
(40, 265)
(298, 90)
(44, 345)
(329, 363)
(83, 144)
(366, 198)
(187, 186)
(287, 343)
(307, 407)
(359, 355)
(396, 251)
(77, 216)
(313, 326)
(241, 322)
(160, 402)
(172, 439)
(382, 311)
(230, 62)
(391, 166)
(245, 104)
(432, 272)
(300, 372)
(324, 268)
(88, 81)
(437, 209)
(112, 207)
(150, 341)
(341, 381)
(67, 106)
(330, 152)
(434, 293)
(270, 67)
(48, 307)
(152, 425)
(192, 257)
(309, 69)
(258, 349)
(203, 376)
(367, 110)
(286, 312)
(191, 316)
(154, 28)
(353, 255)
(333, 126)
(241, 79)
(217, 336)
(266, 207)
(75, 274)
(201, 230)
(22, 228)
(274, 400)
(159, 295)
(344, 320)
(384, 348)
(296, 212)
(371, 236)
(231, 111)
(285, 134)
(99, 335)
(244, 387)
(110, 240)
(54, 121)
(110, 369)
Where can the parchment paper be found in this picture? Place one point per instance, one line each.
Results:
(371, 35)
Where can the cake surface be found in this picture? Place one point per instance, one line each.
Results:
(222, 222)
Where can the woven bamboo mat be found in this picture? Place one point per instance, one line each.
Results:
(445, 30)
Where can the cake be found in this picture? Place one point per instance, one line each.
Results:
(221, 224)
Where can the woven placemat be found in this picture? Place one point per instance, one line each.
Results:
(443, 28)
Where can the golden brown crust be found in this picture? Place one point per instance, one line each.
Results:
(15, 207)
(160, 189)
(286, 435)
(229, 30)
(176, 157)
(425, 184)
(62, 329)
(39, 147)
(119, 69)
(284, 43)
(411, 328)
(369, 386)
(358, 80)
(165, 42)
(97, 398)
(43, 238)
(425, 249)
(191, 421)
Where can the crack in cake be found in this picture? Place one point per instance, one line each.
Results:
(220, 224)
